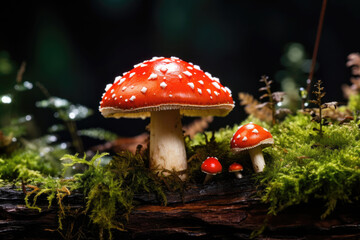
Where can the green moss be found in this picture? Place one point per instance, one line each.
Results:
(25, 165)
(303, 166)
(354, 102)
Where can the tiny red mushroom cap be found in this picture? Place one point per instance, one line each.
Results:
(250, 136)
(166, 84)
(235, 167)
(211, 166)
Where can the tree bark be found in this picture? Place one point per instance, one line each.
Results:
(219, 210)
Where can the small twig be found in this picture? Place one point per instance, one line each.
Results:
(21, 72)
(316, 47)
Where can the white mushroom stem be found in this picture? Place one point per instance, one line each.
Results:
(238, 175)
(167, 146)
(257, 159)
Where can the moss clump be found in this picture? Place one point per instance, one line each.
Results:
(25, 165)
(110, 189)
(305, 166)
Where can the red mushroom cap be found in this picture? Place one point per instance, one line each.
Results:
(166, 84)
(250, 136)
(235, 167)
(211, 166)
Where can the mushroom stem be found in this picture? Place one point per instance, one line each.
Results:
(257, 159)
(208, 177)
(238, 175)
(167, 146)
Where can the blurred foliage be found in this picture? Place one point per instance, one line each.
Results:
(294, 75)
(98, 133)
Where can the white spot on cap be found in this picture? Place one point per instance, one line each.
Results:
(238, 136)
(143, 65)
(167, 61)
(216, 79)
(191, 63)
(201, 82)
(123, 88)
(112, 90)
(197, 67)
(228, 89)
(125, 73)
(266, 130)
(209, 91)
(216, 93)
(108, 86)
(170, 95)
(144, 73)
(143, 90)
(191, 85)
(153, 76)
(208, 74)
(136, 65)
(216, 85)
(250, 126)
(132, 74)
(121, 81)
(117, 79)
(180, 76)
(199, 90)
(188, 67)
(113, 95)
(120, 97)
(163, 85)
(174, 57)
(132, 86)
(244, 139)
(255, 131)
(211, 97)
(132, 98)
(187, 73)
(126, 100)
(163, 69)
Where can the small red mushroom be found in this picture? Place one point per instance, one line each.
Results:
(165, 89)
(236, 168)
(253, 138)
(211, 166)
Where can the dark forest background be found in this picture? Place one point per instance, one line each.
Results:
(74, 48)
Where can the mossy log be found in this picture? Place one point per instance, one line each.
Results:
(218, 210)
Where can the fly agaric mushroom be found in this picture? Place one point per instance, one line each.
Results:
(164, 89)
(236, 168)
(253, 138)
(211, 166)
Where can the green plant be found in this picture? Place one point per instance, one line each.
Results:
(304, 167)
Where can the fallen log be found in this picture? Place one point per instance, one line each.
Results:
(219, 210)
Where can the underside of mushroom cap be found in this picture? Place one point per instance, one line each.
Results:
(166, 84)
(263, 144)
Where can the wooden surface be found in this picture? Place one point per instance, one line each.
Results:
(223, 210)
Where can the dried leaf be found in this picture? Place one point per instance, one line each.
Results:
(278, 96)
(264, 96)
(197, 126)
(262, 105)
(262, 89)
(332, 105)
(251, 107)
(354, 63)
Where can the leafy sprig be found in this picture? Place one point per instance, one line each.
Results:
(273, 98)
